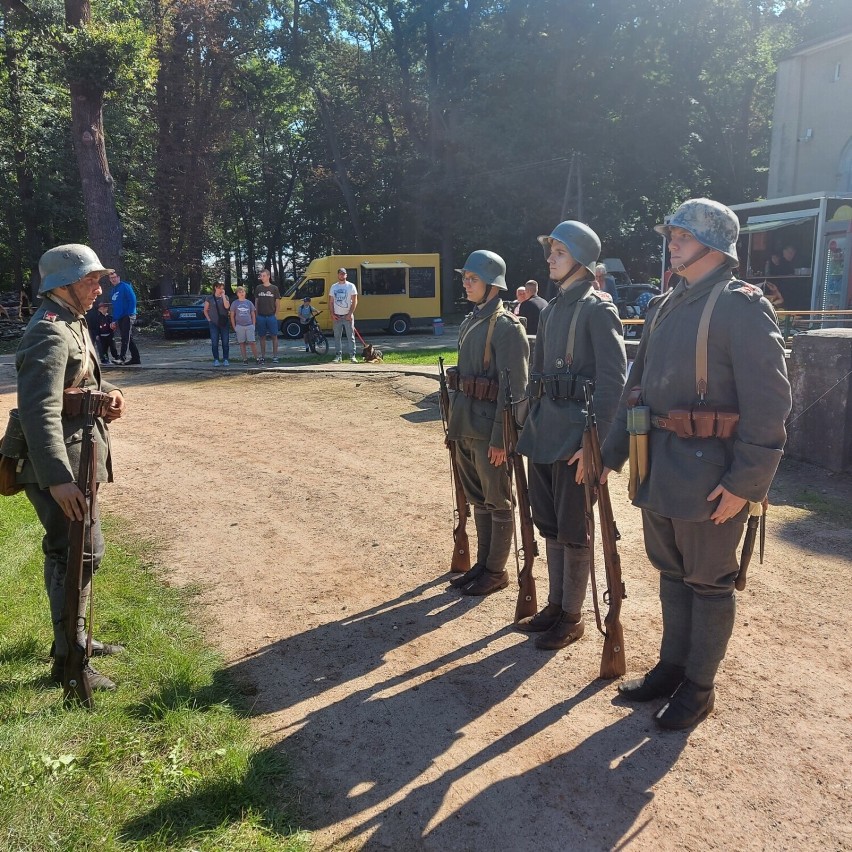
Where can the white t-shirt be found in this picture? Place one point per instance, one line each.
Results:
(342, 295)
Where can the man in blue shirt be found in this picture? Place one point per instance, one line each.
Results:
(123, 316)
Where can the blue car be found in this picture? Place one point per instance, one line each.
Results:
(184, 313)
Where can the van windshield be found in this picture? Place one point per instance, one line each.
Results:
(291, 290)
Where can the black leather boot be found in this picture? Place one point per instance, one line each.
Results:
(660, 682)
(689, 705)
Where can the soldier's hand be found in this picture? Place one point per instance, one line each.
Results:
(116, 408)
(729, 506)
(71, 500)
(496, 456)
(605, 475)
(577, 459)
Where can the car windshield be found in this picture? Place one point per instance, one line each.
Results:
(187, 301)
(288, 293)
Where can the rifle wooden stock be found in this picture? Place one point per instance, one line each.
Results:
(613, 662)
(460, 562)
(75, 683)
(526, 605)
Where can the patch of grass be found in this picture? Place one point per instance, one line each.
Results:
(168, 761)
(428, 357)
(835, 509)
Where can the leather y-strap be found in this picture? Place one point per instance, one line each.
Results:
(701, 342)
(572, 330)
(486, 357)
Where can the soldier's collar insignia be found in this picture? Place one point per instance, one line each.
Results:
(50, 317)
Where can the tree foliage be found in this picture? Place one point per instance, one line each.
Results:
(245, 133)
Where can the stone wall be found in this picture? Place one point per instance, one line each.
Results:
(820, 425)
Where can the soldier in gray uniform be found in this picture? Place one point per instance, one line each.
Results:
(491, 341)
(579, 340)
(710, 351)
(56, 353)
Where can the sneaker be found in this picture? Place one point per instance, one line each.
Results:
(337, 359)
(261, 360)
(226, 363)
(116, 361)
(215, 362)
(353, 360)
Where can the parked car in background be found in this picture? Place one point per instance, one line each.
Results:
(632, 303)
(184, 313)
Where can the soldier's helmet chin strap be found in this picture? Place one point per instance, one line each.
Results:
(569, 273)
(486, 297)
(684, 266)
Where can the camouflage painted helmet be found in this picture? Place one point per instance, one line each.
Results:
(583, 243)
(490, 267)
(710, 222)
(67, 264)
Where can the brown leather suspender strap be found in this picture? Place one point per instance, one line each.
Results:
(486, 357)
(572, 329)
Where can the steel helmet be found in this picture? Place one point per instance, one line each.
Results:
(583, 243)
(490, 267)
(710, 222)
(67, 264)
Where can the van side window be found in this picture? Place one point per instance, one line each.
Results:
(313, 287)
(382, 282)
(421, 282)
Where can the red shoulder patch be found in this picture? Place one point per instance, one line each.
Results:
(751, 291)
(51, 317)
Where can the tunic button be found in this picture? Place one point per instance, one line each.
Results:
(699, 453)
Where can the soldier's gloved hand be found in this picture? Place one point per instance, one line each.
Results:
(71, 500)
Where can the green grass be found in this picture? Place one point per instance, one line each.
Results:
(168, 761)
(428, 357)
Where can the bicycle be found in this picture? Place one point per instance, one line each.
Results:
(315, 339)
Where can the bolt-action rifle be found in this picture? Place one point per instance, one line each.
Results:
(460, 562)
(75, 683)
(613, 663)
(526, 605)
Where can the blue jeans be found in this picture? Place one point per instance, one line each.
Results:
(217, 334)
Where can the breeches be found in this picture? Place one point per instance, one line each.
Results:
(701, 554)
(558, 503)
(484, 484)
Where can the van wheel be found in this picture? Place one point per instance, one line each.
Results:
(399, 324)
(291, 328)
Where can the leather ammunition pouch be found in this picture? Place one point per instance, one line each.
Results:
(480, 388)
(698, 422)
(72, 402)
(559, 386)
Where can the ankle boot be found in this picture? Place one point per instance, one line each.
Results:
(689, 705)
(569, 628)
(96, 680)
(487, 584)
(541, 621)
(462, 580)
(660, 682)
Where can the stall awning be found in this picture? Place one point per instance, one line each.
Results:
(761, 227)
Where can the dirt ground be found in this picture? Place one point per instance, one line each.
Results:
(318, 505)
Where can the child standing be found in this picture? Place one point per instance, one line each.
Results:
(106, 335)
(306, 314)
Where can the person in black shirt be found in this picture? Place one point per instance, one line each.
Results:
(531, 307)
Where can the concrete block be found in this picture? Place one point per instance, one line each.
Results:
(820, 425)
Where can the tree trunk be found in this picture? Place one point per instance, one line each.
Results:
(87, 129)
